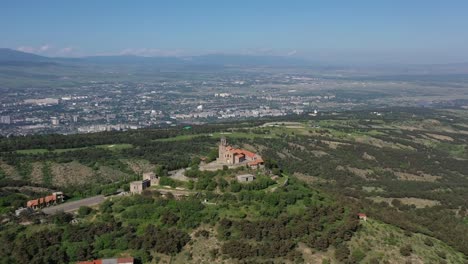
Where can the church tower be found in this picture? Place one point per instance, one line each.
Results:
(222, 150)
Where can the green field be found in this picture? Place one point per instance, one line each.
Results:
(42, 151)
(216, 135)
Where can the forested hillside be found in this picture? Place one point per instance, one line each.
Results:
(406, 169)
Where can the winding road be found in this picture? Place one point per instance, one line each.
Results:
(75, 205)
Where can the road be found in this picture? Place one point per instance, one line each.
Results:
(75, 205)
(179, 175)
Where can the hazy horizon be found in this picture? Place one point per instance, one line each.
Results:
(331, 31)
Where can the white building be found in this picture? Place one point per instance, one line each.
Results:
(245, 178)
(55, 121)
(5, 120)
(43, 101)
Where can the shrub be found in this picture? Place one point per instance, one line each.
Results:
(406, 250)
(428, 242)
(341, 252)
(167, 181)
(442, 254)
(358, 255)
(84, 211)
(202, 233)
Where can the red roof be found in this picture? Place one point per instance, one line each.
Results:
(242, 152)
(50, 198)
(32, 203)
(42, 200)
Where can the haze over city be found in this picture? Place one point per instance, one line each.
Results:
(322, 31)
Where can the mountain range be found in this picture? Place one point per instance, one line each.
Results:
(14, 57)
(10, 57)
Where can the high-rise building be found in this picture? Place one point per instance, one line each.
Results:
(5, 120)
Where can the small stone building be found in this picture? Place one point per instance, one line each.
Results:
(245, 178)
(151, 176)
(137, 187)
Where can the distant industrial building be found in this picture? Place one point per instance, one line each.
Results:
(43, 101)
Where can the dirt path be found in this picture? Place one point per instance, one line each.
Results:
(179, 175)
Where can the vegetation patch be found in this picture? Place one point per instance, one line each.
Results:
(417, 202)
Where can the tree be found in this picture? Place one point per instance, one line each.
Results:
(341, 252)
(160, 170)
(167, 181)
(84, 211)
(106, 206)
(190, 184)
(169, 218)
(62, 218)
(235, 186)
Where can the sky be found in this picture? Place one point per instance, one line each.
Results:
(357, 31)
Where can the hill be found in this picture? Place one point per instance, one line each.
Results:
(9, 55)
(21, 58)
(247, 60)
(405, 168)
(377, 241)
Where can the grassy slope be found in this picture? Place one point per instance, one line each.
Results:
(375, 240)
(41, 151)
(382, 241)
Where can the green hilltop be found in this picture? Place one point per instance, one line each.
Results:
(404, 168)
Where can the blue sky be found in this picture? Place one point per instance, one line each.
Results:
(412, 31)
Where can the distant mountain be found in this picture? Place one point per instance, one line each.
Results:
(247, 60)
(17, 56)
(130, 59)
(211, 59)
(9, 57)
(14, 57)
